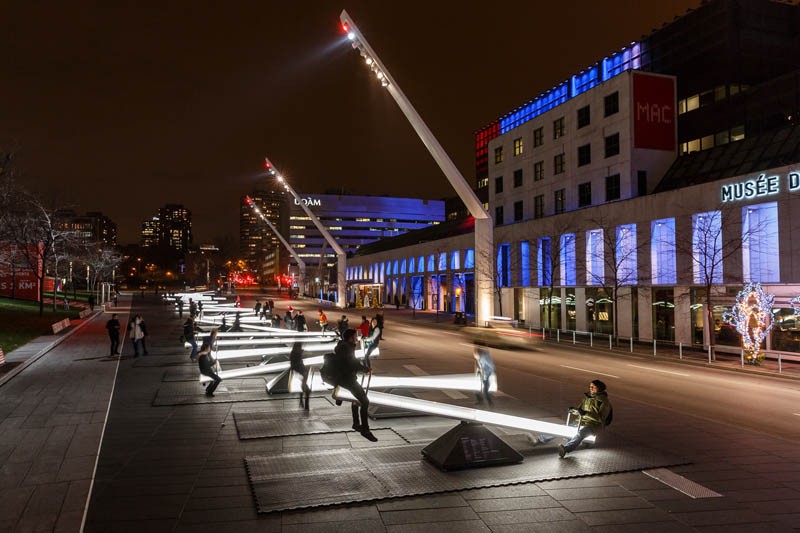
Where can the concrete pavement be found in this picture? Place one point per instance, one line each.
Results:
(180, 468)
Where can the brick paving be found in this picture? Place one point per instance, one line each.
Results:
(181, 468)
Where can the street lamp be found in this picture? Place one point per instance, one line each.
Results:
(483, 222)
(340, 255)
(300, 263)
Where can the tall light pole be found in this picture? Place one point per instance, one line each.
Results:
(484, 252)
(341, 270)
(301, 265)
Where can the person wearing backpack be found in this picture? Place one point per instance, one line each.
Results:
(340, 370)
(595, 413)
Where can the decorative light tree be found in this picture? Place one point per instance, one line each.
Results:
(795, 303)
(751, 315)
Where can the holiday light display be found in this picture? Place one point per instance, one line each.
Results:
(751, 315)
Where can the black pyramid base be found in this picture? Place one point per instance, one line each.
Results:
(470, 445)
(279, 384)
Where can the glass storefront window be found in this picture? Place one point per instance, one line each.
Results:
(569, 301)
(599, 311)
(664, 314)
(550, 308)
(786, 330)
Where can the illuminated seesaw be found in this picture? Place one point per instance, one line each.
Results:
(276, 368)
(269, 341)
(465, 414)
(230, 354)
(273, 333)
(459, 382)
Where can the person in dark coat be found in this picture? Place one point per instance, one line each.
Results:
(297, 366)
(113, 334)
(206, 362)
(300, 322)
(180, 308)
(189, 331)
(257, 308)
(288, 323)
(343, 325)
(342, 373)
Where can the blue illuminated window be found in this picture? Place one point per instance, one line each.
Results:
(403, 266)
(544, 262)
(503, 265)
(760, 251)
(627, 272)
(707, 247)
(662, 252)
(431, 263)
(469, 258)
(595, 258)
(525, 263)
(421, 264)
(567, 259)
(417, 292)
(443, 261)
(396, 267)
(455, 263)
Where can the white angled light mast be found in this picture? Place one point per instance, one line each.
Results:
(301, 265)
(341, 297)
(484, 253)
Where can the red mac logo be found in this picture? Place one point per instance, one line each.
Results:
(653, 112)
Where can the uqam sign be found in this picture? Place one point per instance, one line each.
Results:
(758, 187)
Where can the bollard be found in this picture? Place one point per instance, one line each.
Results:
(543, 335)
(680, 350)
(742, 358)
(558, 335)
(654, 347)
(631, 344)
(591, 340)
(573, 337)
(780, 370)
(709, 354)
(609, 343)
(530, 331)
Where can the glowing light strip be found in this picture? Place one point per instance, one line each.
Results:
(229, 354)
(461, 382)
(273, 368)
(271, 341)
(461, 413)
(276, 333)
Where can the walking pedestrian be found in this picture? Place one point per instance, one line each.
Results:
(206, 361)
(484, 369)
(192, 308)
(137, 332)
(323, 321)
(343, 325)
(113, 333)
(90, 301)
(180, 308)
(288, 323)
(300, 321)
(257, 308)
(595, 412)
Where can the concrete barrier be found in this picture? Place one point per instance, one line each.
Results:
(61, 324)
(84, 313)
(2, 356)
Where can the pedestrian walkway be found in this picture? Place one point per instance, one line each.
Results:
(182, 467)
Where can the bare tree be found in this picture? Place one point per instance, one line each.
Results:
(709, 248)
(101, 260)
(612, 260)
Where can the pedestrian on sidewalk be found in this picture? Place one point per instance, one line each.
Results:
(66, 303)
(288, 323)
(137, 332)
(595, 412)
(113, 334)
(180, 308)
(485, 370)
(323, 321)
(192, 308)
(90, 301)
(206, 361)
(300, 322)
(257, 307)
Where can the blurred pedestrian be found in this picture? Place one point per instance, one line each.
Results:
(372, 341)
(137, 332)
(363, 329)
(190, 330)
(257, 308)
(343, 325)
(485, 370)
(323, 321)
(297, 366)
(180, 308)
(113, 333)
(300, 321)
(90, 301)
(288, 322)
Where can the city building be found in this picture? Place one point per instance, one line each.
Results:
(637, 197)
(93, 227)
(258, 245)
(171, 229)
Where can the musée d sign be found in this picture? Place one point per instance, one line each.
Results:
(763, 185)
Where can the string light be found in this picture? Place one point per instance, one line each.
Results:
(751, 315)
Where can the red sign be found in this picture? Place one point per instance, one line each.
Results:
(17, 279)
(654, 117)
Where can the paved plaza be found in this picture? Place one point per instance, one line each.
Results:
(156, 455)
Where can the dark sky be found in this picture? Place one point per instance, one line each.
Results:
(122, 106)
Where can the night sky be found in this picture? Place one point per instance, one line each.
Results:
(122, 106)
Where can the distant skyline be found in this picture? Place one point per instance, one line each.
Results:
(123, 108)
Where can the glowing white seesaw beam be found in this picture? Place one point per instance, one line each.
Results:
(274, 368)
(271, 341)
(461, 413)
(276, 334)
(229, 354)
(460, 382)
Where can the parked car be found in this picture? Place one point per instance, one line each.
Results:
(502, 332)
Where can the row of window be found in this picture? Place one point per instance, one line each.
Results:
(705, 98)
(759, 245)
(584, 200)
(559, 163)
(437, 262)
(610, 107)
(710, 141)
